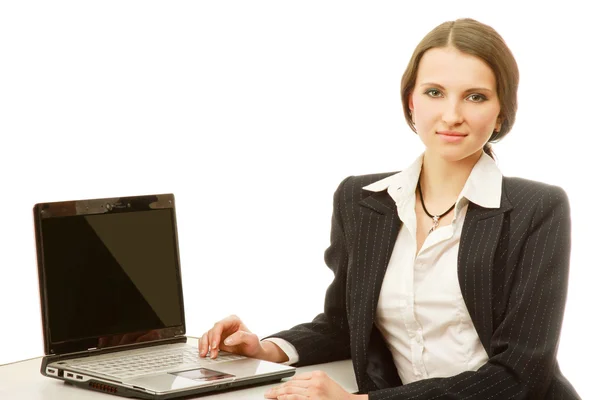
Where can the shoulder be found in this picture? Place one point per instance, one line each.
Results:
(516, 188)
(529, 194)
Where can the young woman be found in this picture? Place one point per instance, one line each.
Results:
(450, 279)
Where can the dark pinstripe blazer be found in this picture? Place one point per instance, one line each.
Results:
(513, 265)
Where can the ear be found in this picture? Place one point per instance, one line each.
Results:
(411, 106)
(498, 126)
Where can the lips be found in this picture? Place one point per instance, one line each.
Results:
(451, 133)
(451, 136)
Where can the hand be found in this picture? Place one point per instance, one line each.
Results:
(316, 385)
(230, 334)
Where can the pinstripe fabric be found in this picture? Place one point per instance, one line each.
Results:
(513, 267)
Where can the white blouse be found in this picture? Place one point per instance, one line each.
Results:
(421, 312)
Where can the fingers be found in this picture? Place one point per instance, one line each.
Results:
(288, 396)
(304, 376)
(289, 391)
(214, 339)
(203, 345)
(244, 343)
(315, 384)
(239, 337)
(210, 342)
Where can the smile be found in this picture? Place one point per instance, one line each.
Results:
(449, 136)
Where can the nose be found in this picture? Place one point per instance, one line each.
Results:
(452, 114)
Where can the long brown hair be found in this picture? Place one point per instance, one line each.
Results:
(475, 38)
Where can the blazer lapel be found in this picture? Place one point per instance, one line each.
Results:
(377, 229)
(476, 255)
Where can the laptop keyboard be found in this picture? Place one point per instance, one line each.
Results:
(136, 364)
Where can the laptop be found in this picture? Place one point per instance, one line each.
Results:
(112, 303)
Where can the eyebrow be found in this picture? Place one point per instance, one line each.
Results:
(482, 89)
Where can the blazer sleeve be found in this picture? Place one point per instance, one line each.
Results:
(523, 348)
(327, 338)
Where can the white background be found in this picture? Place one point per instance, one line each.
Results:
(252, 112)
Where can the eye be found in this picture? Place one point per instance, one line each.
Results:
(433, 93)
(477, 98)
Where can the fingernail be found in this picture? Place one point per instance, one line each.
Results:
(228, 341)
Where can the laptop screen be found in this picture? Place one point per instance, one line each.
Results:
(111, 274)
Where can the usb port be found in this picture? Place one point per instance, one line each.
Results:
(69, 375)
(51, 371)
(79, 377)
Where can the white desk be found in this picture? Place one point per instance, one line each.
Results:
(22, 380)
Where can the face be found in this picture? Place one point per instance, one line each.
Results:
(454, 104)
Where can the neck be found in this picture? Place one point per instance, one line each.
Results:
(443, 180)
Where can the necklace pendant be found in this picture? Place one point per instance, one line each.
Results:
(436, 222)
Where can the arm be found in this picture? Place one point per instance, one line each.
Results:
(523, 347)
(326, 338)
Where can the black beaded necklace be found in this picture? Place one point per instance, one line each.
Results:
(436, 218)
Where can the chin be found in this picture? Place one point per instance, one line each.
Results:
(458, 153)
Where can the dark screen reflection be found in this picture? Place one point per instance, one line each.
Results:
(110, 274)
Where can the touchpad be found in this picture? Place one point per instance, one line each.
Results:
(203, 375)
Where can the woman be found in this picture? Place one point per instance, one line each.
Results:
(450, 279)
